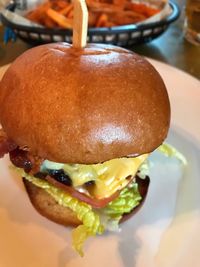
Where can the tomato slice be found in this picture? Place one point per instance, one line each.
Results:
(94, 202)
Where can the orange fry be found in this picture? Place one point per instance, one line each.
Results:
(59, 18)
(92, 20)
(102, 13)
(126, 17)
(110, 24)
(38, 13)
(102, 7)
(70, 14)
(61, 3)
(143, 9)
(101, 22)
(65, 11)
(49, 22)
(119, 2)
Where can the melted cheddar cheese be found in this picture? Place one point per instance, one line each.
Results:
(109, 176)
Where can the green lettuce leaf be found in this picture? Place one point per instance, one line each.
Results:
(128, 199)
(144, 169)
(170, 151)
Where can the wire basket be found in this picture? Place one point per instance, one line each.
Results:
(126, 35)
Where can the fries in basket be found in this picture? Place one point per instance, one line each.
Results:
(102, 13)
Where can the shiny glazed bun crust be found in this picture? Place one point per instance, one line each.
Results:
(84, 105)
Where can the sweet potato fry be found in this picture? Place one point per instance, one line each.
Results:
(92, 20)
(102, 7)
(39, 15)
(50, 23)
(65, 11)
(110, 24)
(102, 20)
(61, 3)
(126, 17)
(102, 13)
(143, 9)
(59, 18)
(119, 3)
(70, 14)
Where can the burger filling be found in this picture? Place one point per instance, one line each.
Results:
(99, 194)
(94, 221)
(96, 180)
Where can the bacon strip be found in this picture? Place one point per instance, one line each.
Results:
(23, 159)
(20, 159)
(95, 203)
(6, 145)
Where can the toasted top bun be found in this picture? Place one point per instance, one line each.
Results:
(84, 105)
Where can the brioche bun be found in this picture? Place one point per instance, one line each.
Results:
(48, 207)
(84, 105)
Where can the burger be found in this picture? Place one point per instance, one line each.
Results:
(79, 125)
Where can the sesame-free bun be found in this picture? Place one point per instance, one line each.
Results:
(48, 207)
(84, 105)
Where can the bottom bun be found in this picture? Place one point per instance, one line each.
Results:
(49, 208)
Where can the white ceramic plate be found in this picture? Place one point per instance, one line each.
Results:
(165, 233)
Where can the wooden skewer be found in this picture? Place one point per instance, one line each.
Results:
(80, 24)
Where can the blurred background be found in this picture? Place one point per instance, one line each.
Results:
(170, 47)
